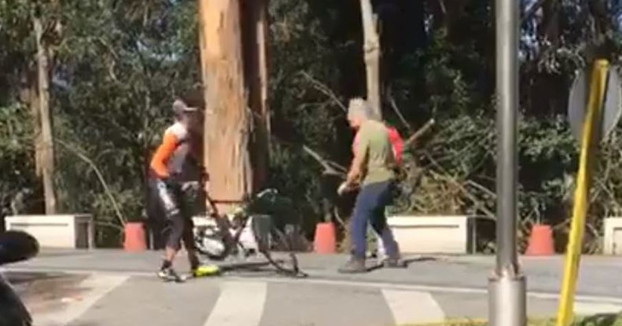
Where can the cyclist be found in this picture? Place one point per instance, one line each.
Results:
(174, 167)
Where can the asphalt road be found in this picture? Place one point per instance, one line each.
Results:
(88, 288)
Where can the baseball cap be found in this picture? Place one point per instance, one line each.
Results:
(180, 107)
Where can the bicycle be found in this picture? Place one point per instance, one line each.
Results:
(222, 239)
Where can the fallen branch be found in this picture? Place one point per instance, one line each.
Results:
(329, 167)
(477, 202)
(427, 126)
(88, 161)
(482, 188)
(397, 111)
(324, 89)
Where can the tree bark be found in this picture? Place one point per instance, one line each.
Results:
(255, 38)
(46, 140)
(29, 95)
(226, 134)
(371, 50)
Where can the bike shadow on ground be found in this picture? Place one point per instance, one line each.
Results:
(405, 262)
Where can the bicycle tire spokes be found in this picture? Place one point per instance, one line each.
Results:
(264, 249)
(293, 271)
(232, 241)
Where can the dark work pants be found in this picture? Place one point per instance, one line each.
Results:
(370, 207)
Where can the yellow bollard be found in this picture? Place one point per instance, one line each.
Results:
(598, 86)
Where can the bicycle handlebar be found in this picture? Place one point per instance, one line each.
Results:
(261, 194)
(267, 191)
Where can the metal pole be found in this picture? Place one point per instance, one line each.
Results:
(507, 285)
(507, 96)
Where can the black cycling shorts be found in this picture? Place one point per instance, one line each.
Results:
(175, 206)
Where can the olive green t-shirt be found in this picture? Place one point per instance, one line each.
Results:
(373, 143)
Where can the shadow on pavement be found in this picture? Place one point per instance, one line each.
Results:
(408, 261)
(17, 278)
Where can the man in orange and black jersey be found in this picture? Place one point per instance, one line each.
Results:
(174, 167)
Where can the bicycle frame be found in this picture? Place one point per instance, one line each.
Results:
(232, 241)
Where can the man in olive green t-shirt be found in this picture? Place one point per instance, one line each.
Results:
(373, 170)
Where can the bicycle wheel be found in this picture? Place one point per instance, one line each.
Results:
(288, 266)
(217, 243)
(210, 243)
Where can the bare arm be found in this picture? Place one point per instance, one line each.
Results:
(358, 162)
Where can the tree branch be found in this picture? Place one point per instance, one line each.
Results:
(532, 11)
(324, 89)
(88, 161)
(397, 111)
(328, 165)
(418, 133)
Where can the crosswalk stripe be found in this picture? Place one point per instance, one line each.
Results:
(592, 308)
(239, 304)
(99, 286)
(413, 307)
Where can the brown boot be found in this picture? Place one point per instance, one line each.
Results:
(394, 261)
(354, 265)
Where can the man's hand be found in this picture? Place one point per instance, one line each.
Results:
(342, 189)
(346, 187)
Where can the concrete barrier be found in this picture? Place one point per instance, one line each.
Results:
(56, 231)
(613, 236)
(432, 234)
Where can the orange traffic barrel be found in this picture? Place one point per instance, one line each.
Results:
(135, 239)
(325, 239)
(541, 241)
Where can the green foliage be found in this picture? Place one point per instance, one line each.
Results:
(16, 157)
(123, 65)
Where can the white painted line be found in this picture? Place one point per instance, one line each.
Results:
(591, 308)
(411, 307)
(97, 287)
(239, 304)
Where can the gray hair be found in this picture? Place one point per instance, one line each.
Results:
(358, 107)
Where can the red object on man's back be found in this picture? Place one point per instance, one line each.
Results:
(397, 143)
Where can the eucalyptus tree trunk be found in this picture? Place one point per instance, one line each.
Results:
(45, 143)
(255, 45)
(227, 118)
(371, 50)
